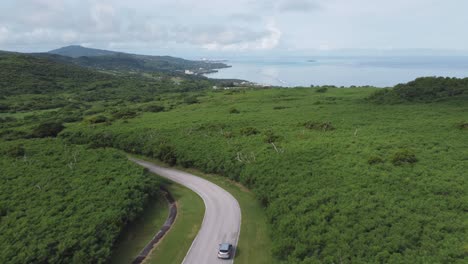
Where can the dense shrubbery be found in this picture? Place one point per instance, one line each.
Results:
(48, 129)
(65, 204)
(343, 196)
(124, 114)
(97, 119)
(234, 110)
(49, 84)
(321, 90)
(154, 108)
(425, 89)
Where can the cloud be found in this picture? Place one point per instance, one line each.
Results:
(297, 5)
(262, 41)
(103, 22)
(104, 17)
(4, 32)
(241, 25)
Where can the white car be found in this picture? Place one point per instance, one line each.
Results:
(225, 251)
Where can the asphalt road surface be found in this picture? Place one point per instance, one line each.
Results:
(221, 223)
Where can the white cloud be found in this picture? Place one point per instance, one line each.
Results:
(242, 25)
(103, 16)
(4, 32)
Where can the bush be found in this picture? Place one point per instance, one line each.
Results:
(7, 119)
(228, 134)
(271, 137)
(234, 111)
(167, 154)
(321, 90)
(124, 114)
(280, 107)
(463, 125)
(191, 100)
(16, 151)
(48, 129)
(375, 160)
(404, 157)
(10, 134)
(324, 126)
(4, 107)
(97, 119)
(154, 108)
(425, 89)
(249, 131)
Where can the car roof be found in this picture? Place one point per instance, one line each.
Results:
(224, 246)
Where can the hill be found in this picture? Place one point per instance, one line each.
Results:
(342, 179)
(424, 89)
(76, 51)
(119, 61)
(45, 82)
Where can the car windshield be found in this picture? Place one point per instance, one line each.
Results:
(224, 248)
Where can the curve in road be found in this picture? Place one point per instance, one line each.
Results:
(222, 219)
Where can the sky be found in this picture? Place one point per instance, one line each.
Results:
(236, 27)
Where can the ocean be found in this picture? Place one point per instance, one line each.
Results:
(342, 71)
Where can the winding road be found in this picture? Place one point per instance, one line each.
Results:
(222, 219)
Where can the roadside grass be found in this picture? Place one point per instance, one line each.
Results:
(175, 244)
(254, 242)
(139, 232)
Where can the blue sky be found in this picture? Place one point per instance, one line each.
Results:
(245, 27)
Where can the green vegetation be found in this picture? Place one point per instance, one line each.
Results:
(359, 175)
(140, 231)
(426, 89)
(254, 241)
(175, 244)
(66, 204)
(385, 185)
(118, 61)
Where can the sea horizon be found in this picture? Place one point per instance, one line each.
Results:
(377, 71)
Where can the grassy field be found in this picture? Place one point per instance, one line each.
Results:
(176, 243)
(139, 232)
(341, 178)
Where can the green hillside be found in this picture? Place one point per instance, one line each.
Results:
(342, 179)
(38, 83)
(119, 61)
(66, 204)
(356, 175)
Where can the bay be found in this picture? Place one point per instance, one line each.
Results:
(383, 71)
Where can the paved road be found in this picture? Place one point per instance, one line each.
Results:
(222, 219)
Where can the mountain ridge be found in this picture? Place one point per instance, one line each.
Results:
(76, 51)
(121, 61)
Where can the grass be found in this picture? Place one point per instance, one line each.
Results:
(176, 243)
(139, 232)
(254, 242)
(329, 193)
